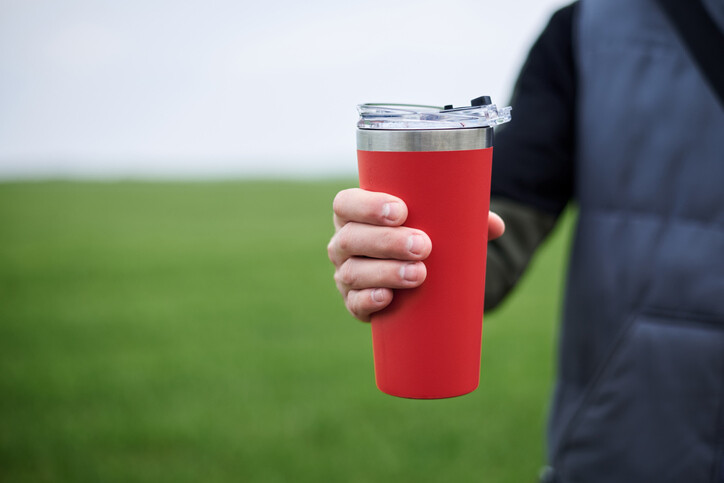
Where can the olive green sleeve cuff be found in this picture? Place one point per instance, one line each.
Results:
(509, 255)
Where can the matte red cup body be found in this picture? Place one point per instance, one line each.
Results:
(427, 343)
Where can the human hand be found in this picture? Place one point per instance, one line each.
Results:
(373, 254)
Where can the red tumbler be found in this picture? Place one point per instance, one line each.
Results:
(427, 342)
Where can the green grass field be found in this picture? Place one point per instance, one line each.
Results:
(185, 332)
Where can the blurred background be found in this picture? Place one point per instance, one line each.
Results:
(167, 310)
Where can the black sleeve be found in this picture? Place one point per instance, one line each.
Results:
(533, 154)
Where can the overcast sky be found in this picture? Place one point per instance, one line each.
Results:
(229, 88)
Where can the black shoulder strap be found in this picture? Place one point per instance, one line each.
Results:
(702, 37)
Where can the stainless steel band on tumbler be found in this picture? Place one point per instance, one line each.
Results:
(424, 140)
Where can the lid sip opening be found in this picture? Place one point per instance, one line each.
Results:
(480, 113)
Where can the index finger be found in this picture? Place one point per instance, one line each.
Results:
(370, 207)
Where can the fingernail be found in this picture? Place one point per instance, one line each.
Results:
(415, 244)
(409, 272)
(391, 211)
(378, 295)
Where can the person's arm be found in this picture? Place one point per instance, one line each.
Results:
(533, 164)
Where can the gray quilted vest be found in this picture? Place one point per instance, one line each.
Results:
(640, 394)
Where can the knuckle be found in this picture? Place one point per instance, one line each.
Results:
(338, 279)
(352, 309)
(342, 290)
(338, 202)
(347, 274)
(356, 308)
(332, 250)
(344, 238)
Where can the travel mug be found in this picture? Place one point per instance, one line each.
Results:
(427, 342)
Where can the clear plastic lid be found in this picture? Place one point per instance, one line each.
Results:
(481, 113)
